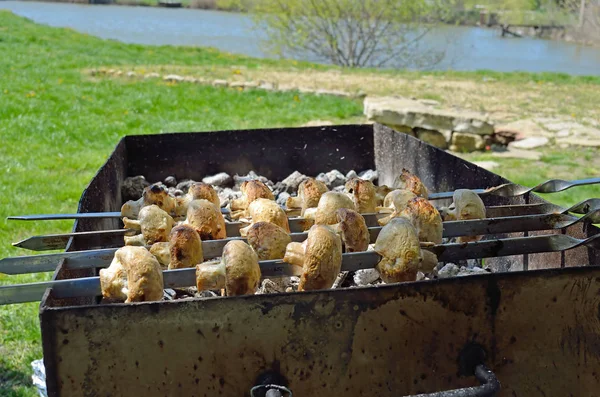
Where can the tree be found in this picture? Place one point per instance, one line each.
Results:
(353, 33)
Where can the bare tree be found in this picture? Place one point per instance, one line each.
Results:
(353, 33)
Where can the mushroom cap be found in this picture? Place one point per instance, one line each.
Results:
(381, 192)
(155, 224)
(158, 195)
(201, 190)
(255, 189)
(409, 181)
(398, 244)
(268, 240)
(398, 198)
(310, 191)
(353, 229)
(207, 219)
(265, 210)
(329, 203)
(144, 279)
(364, 194)
(426, 219)
(162, 252)
(322, 259)
(468, 205)
(242, 271)
(185, 247)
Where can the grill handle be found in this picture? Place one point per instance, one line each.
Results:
(471, 363)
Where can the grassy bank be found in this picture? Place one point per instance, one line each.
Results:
(58, 125)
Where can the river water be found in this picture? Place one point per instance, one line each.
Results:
(468, 48)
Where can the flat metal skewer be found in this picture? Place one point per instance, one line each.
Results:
(214, 248)
(90, 286)
(297, 225)
(505, 190)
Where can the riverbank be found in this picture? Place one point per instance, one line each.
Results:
(59, 123)
(217, 5)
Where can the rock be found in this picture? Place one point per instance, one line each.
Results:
(449, 270)
(170, 181)
(184, 185)
(220, 83)
(250, 85)
(152, 76)
(369, 175)
(530, 143)
(294, 180)
(220, 179)
(401, 111)
(318, 123)
(339, 188)
(237, 84)
(189, 79)
(332, 179)
(522, 129)
(575, 141)
(332, 92)
(404, 129)
(273, 286)
(131, 74)
(365, 276)
(239, 179)
(267, 86)
(462, 142)
(434, 138)
(177, 193)
(465, 271)
(503, 137)
(133, 187)
(563, 125)
(351, 174)
(173, 78)
(488, 165)
(591, 121)
(563, 133)
(429, 102)
(282, 198)
(514, 153)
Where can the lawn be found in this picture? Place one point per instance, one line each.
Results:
(58, 125)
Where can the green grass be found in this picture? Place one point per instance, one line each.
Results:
(58, 125)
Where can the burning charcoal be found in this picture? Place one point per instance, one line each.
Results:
(369, 175)
(239, 179)
(365, 276)
(172, 191)
(206, 294)
(170, 181)
(450, 270)
(465, 271)
(472, 263)
(220, 179)
(184, 185)
(177, 193)
(351, 174)
(332, 179)
(133, 187)
(282, 198)
(338, 188)
(273, 286)
(294, 180)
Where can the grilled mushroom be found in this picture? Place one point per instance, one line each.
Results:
(197, 191)
(185, 247)
(134, 275)
(264, 210)
(329, 203)
(363, 195)
(309, 193)
(268, 240)
(353, 230)
(154, 223)
(409, 181)
(238, 271)
(207, 219)
(154, 194)
(467, 205)
(428, 222)
(398, 244)
(394, 203)
(320, 257)
(381, 192)
(251, 190)
(162, 253)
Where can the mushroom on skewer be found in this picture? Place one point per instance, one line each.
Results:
(329, 203)
(155, 194)
(467, 205)
(196, 191)
(237, 271)
(133, 276)
(207, 219)
(409, 181)
(309, 193)
(398, 244)
(154, 223)
(394, 203)
(428, 222)
(353, 230)
(268, 240)
(264, 210)
(363, 195)
(320, 257)
(251, 190)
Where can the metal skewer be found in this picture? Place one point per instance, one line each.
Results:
(214, 248)
(505, 190)
(59, 241)
(90, 286)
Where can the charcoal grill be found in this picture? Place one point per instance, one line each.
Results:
(535, 321)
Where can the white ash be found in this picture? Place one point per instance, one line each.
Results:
(421, 276)
(464, 271)
(175, 192)
(339, 280)
(368, 175)
(282, 198)
(184, 185)
(351, 174)
(449, 270)
(274, 286)
(206, 294)
(239, 179)
(228, 194)
(338, 188)
(365, 276)
(170, 181)
(294, 180)
(221, 179)
(133, 187)
(332, 178)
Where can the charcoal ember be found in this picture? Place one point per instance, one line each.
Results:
(169, 294)
(294, 180)
(273, 286)
(340, 188)
(332, 179)
(239, 179)
(351, 174)
(368, 175)
(174, 191)
(449, 270)
(365, 276)
(133, 187)
(282, 198)
(465, 271)
(184, 185)
(421, 276)
(170, 181)
(228, 194)
(340, 280)
(280, 187)
(221, 179)
(206, 294)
